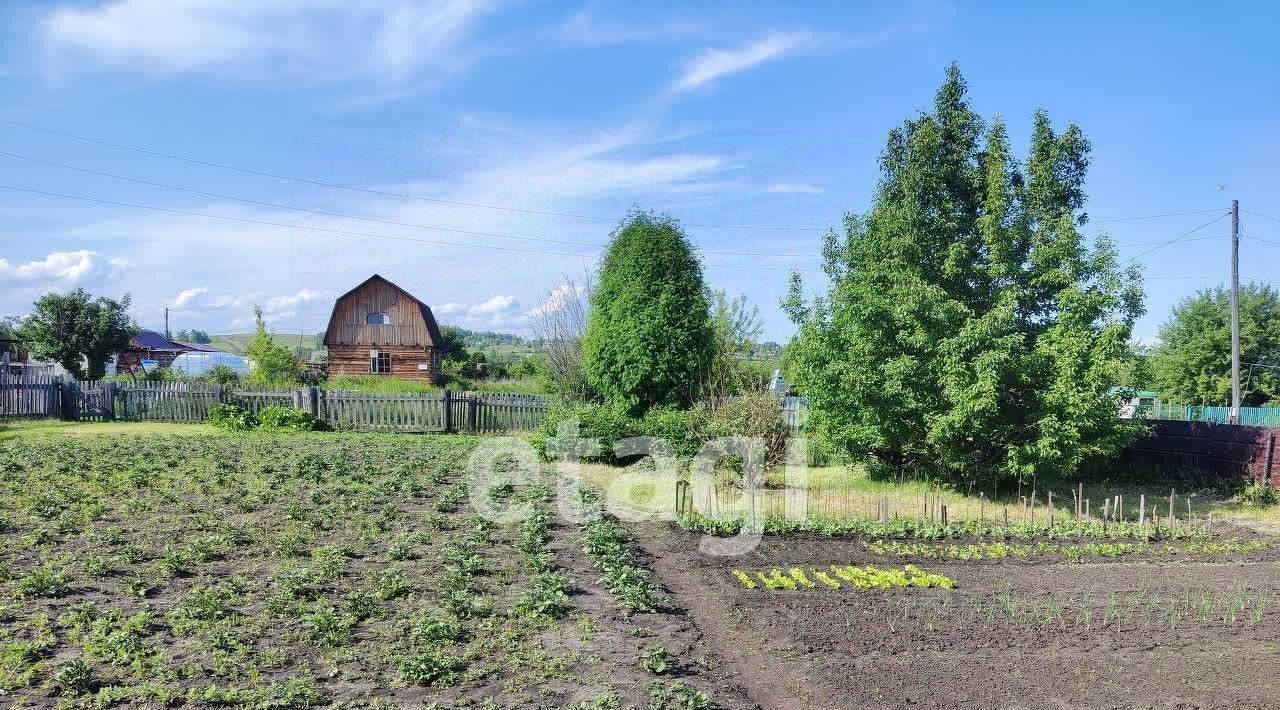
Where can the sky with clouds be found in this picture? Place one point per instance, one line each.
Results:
(210, 155)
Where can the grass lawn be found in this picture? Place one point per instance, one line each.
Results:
(24, 428)
(847, 491)
(175, 565)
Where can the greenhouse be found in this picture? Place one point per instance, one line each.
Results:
(194, 364)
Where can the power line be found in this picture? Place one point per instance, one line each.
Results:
(329, 213)
(1260, 239)
(370, 191)
(343, 232)
(1176, 239)
(248, 220)
(1264, 216)
(387, 193)
(1154, 216)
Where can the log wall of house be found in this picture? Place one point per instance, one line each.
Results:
(348, 326)
(405, 361)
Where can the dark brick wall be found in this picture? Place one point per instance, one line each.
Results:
(1224, 449)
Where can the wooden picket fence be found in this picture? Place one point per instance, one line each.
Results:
(30, 394)
(445, 411)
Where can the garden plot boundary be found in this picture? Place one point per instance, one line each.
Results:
(183, 402)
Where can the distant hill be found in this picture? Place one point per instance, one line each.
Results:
(236, 342)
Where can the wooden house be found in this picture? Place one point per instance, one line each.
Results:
(378, 328)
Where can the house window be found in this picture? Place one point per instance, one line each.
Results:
(377, 319)
(379, 363)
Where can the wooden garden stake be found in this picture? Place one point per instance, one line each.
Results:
(1171, 494)
(1050, 513)
(982, 507)
(1142, 509)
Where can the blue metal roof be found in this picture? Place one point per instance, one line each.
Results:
(151, 340)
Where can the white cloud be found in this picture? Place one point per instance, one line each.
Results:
(448, 309)
(794, 188)
(66, 267)
(299, 41)
(714, 64)
(498, 305)
(186, 296)
(301, 298)
(557, 299)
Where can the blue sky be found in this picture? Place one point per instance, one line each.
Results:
(726, 115)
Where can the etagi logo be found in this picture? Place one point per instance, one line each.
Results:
(657, 485)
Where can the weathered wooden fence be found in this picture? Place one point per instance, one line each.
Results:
(470, 412)
(29, 395)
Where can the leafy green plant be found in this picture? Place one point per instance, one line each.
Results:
(74, 678)
(286, 418)
(656, 659)
(231, 417)
(1259, 495)
(432, 668)
(49, 581)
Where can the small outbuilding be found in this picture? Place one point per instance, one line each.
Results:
(378, 328)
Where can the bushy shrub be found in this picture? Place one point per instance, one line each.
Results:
(684, 430)
(753, 415)
(286, 417)
(231, 417)
(595, 421)
(1260, 495)
(223, 375)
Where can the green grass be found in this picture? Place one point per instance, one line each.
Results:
(34, 428)
(847, 492)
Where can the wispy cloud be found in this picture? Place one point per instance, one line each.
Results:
(712, 65)
(793, 188)
(525, 166)
(586, 28)
(298, 41)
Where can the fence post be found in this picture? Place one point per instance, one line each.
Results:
(68, 402)
(447, 417)
(1271, 450)
(312, 403)
(109, 401)
(217, 394)
(298, 398)
(472, 406)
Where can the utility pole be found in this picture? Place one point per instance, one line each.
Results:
(1235, 312)
(166, 322)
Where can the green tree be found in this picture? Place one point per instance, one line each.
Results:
(735, 327)
(272, 362)
(192, 336)
(648, 340)
(1192, 363)
(969, 330)
(78, 331)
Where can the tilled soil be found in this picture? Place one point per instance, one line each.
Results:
(1146, 632)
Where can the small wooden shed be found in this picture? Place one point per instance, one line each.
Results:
(378, 328)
